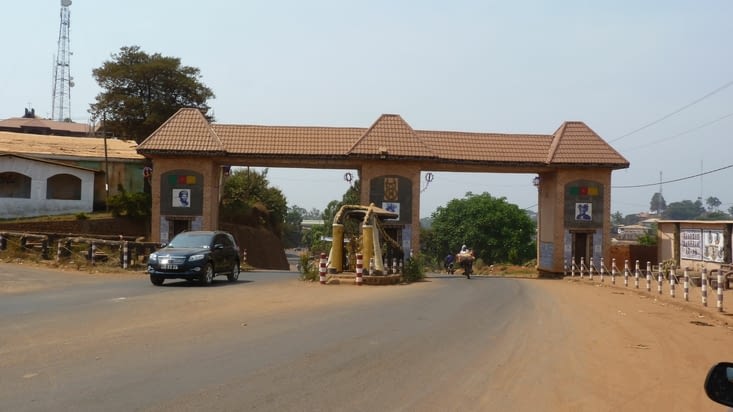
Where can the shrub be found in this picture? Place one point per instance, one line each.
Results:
(307, 268)
(414, 269)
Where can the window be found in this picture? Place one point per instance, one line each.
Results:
(63, 187)
(15, 185)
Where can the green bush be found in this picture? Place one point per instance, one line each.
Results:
(307, 267)
(414, 269)
(129, 204)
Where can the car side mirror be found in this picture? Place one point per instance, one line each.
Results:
(719, 383)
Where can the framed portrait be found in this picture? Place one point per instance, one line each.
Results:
(181, 197)
(392, 207)
(584, 211)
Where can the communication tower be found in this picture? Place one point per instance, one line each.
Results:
(62, 80)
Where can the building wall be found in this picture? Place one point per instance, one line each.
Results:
(695, 244)
(38, 204)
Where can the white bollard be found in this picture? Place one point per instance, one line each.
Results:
(626, 272)
(672, 280)
(686, 286)
(720, 291)
(660, 279)
(704, 287)
(613, 271)
(359, 269)
(637, 269)
(648, 276)
(322, 269)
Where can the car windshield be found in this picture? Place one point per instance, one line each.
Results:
(191, 240)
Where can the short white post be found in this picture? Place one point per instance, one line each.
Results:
(637, 269)
(648, 276)
(322, 269)
(359, 269)
(704, 286)
(720, 291)
(626, 272)
(686, 286)
(672, 281)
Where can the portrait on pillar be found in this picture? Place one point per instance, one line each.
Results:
(584, 204)
(393, 193)
(181, 193)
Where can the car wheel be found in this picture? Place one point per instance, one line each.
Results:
(157, 280)
(235, 273)
(208, 275)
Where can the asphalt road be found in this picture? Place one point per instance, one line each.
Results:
(267, 342)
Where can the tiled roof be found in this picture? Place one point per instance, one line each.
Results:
(393, 137)
(573, 144)
(65, 147)
(576, 143)
(186, 131)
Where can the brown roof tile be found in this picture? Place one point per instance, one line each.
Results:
(186, 131)
(576, 143)
(573, 143)
(393, 136)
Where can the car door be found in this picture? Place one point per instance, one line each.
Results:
(218, 253)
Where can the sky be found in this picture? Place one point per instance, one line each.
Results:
(653, 78)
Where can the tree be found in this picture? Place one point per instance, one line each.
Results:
(713, 203)
(248, 198)
(141, 91)
(292, 232)
(657, 204)
(496, 230)
(617, 219)
(683, 210)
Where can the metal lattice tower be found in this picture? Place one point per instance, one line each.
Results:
(62, 80)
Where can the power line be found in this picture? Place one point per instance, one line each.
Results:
(674, 180)
(683, 133)
(667, 116)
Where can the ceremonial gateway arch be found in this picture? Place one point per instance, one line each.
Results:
(573, 165)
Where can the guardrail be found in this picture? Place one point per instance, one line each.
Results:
(663, 277)
(118, 251)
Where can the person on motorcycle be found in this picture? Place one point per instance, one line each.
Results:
(465, 258)
(448, 263)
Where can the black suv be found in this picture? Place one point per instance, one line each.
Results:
(199, 255)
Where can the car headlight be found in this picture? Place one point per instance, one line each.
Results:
(194, 258)
(153, 257)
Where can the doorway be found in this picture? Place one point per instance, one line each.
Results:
(582, 247)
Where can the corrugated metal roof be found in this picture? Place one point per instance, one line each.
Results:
(58, 147)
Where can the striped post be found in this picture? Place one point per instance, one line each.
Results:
(613, 271)
(660, 279)
(672, 281)
(686, 286)
(637, 269)
(564, 268)
(322, 269)
(704, 286)
(590, 268)
(2, 242)
(648, 276)
(394, 266)
(58, 251)
(244, 256)
(572, 267)
(125, 255)
(626, 272)
(92, 252)
(602, 268)
(582, 266)
(359, 269)
(720, 291)
(371, 265)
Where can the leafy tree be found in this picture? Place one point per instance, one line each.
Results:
(292, 231)
(713, 203)
(730, 210)
(683, 210)
(248, 198)
(141, 91)
(657, 204)
(496, 230)
(617, 219)
(312, 214)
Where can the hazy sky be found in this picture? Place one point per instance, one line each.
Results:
(653, 78)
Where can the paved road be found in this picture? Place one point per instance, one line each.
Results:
(273, 343)
(268, 342)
